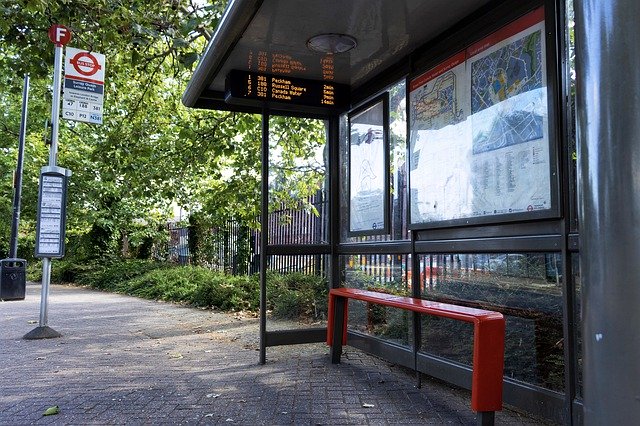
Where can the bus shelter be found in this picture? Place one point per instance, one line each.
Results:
(453, 173)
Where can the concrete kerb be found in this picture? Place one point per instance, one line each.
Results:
(127, 360)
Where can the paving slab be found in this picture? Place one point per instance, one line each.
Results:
(124, 360)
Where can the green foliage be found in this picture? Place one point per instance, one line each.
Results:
(151, 153)
(51, 411)
(176, 285)
(243, 253)
(143, 30)
(195, 230)
(65, 271)
(226, 248)
(297, 295)
(292, 296)
(34, 271)
(11, 104)
(104, 274)
(361, 280)
(297, 163)
(27, 246)
(228, 292)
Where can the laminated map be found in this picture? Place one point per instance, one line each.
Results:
(478, 140)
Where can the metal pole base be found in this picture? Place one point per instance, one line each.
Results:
(45, 332)
(486, 418)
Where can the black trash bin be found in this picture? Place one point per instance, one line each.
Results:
(13, 279)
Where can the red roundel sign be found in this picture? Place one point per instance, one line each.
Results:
(59, 34)
(85, 63)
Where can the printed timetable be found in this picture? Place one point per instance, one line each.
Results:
(50, 226)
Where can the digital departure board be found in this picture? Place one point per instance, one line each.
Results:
(249, 88)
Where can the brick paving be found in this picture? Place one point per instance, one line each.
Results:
(123, 360)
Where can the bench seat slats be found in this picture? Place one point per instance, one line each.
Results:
(461, 313)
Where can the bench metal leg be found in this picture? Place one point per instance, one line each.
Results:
(339, 305)
(486, 418)
(417, 342)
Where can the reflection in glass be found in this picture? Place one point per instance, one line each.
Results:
(525, 288)
(572, 114)
(397, 171)
(306, 222)
(577, 282)
(479, 143)
(386, 274)
(298, 192)
(368, 180)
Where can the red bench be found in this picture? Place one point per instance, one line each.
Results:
(488, 340)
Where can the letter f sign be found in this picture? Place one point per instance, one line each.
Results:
(59, 34)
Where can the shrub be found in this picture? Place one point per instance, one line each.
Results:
(109, 275)
(290, 304)
(219, 291)
(26, 247)
(297, 295)
(176, 285)
(70, 271)
(290, 296)
(34, 271)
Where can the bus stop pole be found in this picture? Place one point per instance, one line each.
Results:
(53, 156)
(608, 96)
(43, 331)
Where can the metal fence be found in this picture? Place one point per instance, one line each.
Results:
(235, 248)
(178, 244)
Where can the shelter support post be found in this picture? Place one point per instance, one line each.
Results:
(264, 236)
(608, 88)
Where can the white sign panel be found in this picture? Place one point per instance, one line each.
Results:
(83, 96)
(368, 170)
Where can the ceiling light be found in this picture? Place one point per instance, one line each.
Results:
(331, 43)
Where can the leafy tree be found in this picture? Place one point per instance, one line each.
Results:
(151, 153)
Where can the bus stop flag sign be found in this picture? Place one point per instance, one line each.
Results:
(83, 93)
(59, 35)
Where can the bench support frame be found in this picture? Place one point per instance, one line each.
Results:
(488, 340)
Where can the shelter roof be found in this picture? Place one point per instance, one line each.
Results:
(271, 36)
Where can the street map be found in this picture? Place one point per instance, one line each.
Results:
(510, 71)
(478, 140)
(437, 106)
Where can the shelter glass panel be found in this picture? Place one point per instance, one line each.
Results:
(525, 287)
(571, 115)
(396, 174)
(368, 169)
(298, 190)
(384, 273)
(297, 291)
(480, 148)
(577, 321)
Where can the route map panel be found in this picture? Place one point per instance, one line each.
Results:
(479, 139)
